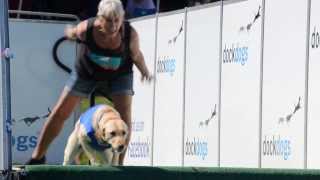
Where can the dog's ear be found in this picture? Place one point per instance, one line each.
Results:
(103, 132)
(98, 134)
(100, 116)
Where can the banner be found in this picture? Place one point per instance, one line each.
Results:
(139, 152)
(36, 86)
(240, 83)
(202, 87)
(168, 122)
(284, 88)
(314, 88)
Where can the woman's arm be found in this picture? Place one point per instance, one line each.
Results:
(76, 32)
(137, 56)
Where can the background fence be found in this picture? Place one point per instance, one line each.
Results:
(235, 85)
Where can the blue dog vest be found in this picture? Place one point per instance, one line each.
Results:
(86, 121)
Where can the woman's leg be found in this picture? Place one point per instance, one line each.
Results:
(122, 104)
(62, 110)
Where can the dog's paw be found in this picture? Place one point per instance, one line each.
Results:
(96, 163)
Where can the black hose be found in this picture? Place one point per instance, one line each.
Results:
(66, 68)
(55, 55)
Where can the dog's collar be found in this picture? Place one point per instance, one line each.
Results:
(97, 145)
(104, 146)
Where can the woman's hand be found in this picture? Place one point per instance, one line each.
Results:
(70, 32)
(78, 31)
(146, 77)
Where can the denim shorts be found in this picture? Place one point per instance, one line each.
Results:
(121, 85)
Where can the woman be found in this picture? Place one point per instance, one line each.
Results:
(110, 48)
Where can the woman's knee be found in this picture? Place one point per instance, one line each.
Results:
(123, 106)
(61, 115)
(126, 117)
(64, 108)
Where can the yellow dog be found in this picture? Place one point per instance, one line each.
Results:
(101, 134)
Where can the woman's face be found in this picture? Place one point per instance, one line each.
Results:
(112, 24)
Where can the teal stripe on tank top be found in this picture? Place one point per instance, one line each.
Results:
(106, 62)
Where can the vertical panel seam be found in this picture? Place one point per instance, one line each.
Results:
(219, 85)
(184, 84)
(154, 87)
(307, 87)
(261, 82)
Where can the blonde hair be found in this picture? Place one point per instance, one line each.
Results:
(110, 8)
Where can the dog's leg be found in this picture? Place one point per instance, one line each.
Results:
(72, 148)
(95, 157)
(90, 152)
(103, 158)
(115, 159)
(108, 154)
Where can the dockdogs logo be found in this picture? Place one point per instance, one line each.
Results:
(137, 126)
(315, 38)
(139, 148)
(25, 142)
(276, 146)
(166, 64)
(196, 147)
(235, 54)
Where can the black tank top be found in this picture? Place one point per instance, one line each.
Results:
(104, 64)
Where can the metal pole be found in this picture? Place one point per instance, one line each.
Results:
(20, 8)
(5, 91)
(158, 6)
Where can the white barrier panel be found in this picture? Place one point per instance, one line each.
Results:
(139, 151)
(240, 83)
(314, 87)
(284, 84)
(169, 90)
(36, 85)
(202, 87)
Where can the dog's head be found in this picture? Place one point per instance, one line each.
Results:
(113, 130)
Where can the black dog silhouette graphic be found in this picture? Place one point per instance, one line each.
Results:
(213, 114)
(249, 25)
(174, 39)
(288, 117)
(30, 120)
